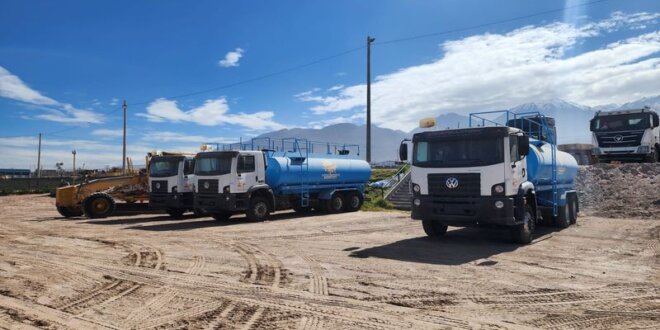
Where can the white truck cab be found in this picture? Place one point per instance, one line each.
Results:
(627, 135)
(171, 183)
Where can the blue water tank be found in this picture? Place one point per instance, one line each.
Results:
(539, 165)
(291, 171)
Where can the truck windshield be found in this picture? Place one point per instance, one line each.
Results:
(624, 122)
(163, 167)
(458, 153)
(217, 165)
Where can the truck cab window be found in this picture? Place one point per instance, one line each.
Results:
(189, 166)
(245, 164)
(513, 148)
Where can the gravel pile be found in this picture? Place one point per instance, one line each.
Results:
(620, 191)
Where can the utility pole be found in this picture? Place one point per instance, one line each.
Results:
(369, 41)
(123, 158)
(74, 166)
(39, 159)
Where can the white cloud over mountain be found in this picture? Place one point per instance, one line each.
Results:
(496, 71)
(212, 113)
(12, 87)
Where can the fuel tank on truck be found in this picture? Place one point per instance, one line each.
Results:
(287, 171)
(539, 164)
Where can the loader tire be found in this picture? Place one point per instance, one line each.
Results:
(434, 229)
(98, 205)
(524, 233)
(69, 212)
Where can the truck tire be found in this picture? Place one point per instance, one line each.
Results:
(176, 213)
(259, 209)
(98, 205)
(69, 212)
(335, 204)
(353, 201)
(563, 219)
(573, 206)
(221, 216)
(434, 229)
(524, 233)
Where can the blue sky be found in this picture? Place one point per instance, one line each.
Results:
(64, 65)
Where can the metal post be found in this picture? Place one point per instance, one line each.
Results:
(369, 41)
(73, 174)
(123, 158)
(39, 158)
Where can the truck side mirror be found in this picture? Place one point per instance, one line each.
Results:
(592, 125)
(403, 151)
(656, 120)
(523, 145)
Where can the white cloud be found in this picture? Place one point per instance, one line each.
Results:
(167, 136)
(335, 88)
(496, 71)
(12, 87)
(108, 133)
(114, 101)
(211, 113)
(231, 58)
(356, 118)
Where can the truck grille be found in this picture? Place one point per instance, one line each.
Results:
(619, 139)
(159, 186)
(207, 186)
(469, 185)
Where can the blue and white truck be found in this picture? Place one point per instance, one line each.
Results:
(509, 174)
(261, 176)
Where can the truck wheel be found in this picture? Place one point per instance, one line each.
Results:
(524, 233)
(563, 219)
(69, 212)
(258, 210)
(434, 229)
(176, 213)
(353, 202)
(335, 204)
(573, 209)
(98, 205)
(222, 216)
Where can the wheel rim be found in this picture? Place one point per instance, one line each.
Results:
(337, 203)
(355, 202)
(260, 209)
(101, 205)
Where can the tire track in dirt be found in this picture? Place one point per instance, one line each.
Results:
(318, 283)
(324, 233)
(259, 273)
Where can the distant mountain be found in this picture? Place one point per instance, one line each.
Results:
(385, 142)
(572, 126)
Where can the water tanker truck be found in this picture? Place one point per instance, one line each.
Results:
(265, 175)
(509, 175)
(170, 182)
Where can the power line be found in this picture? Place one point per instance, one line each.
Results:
(478, 26)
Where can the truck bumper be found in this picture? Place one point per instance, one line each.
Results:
(465, 211)
(622, 153)
(164, 201)
(213, 203)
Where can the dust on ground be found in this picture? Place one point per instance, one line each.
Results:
(361, 270)
(620, 190)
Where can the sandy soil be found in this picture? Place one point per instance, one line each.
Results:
(359, 270)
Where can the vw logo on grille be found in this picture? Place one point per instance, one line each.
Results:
(157, 185)
(452, 182)
(618, 138)
(206, 185)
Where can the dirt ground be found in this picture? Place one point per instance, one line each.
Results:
(359, 270)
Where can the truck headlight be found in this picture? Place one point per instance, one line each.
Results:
(498, 189)
(174, 190)
(643, 149)
(416, 188)
(417, 202)
(499, 204)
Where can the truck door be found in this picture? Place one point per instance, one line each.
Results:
(246, 174)
(518, 167)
